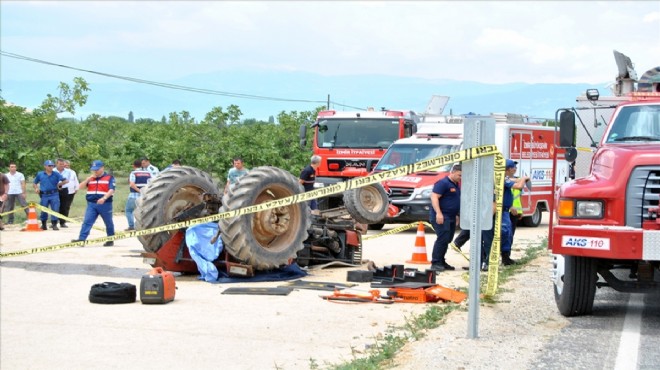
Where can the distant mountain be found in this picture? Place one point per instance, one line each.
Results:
(118, 98)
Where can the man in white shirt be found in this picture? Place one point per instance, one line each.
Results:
(16, 192)
(147, 166)
(68, 191)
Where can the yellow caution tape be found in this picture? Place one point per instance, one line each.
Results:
(391, 232)
(50, 211)
(425, 165)
(13, 211)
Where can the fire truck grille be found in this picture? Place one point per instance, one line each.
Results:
(401, 193)
(643, 193)
(342, 164)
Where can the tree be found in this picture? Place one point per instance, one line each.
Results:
(216, 117)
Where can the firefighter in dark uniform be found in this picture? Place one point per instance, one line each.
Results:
(100, 188)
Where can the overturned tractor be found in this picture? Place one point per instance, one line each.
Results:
(258, 241)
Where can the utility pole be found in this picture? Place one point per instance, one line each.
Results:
(328, 108)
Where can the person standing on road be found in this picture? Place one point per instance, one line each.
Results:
(17, 191)
(235, 173)
(66, 194)
(446, 204)
(47, 184)
(100, 188)
(507, 202)
(138, 179)
(307, 179)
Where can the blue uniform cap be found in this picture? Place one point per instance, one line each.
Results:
(96, 165)
(49, 163)
(511, 164)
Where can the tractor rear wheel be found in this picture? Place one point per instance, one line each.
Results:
(169, 193)
(269, 238)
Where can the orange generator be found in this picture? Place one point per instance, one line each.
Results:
(158, 286)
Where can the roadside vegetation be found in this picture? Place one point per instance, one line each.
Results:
(31, 137)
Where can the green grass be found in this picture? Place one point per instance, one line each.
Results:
(79, 204)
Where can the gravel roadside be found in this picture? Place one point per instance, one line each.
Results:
(511, 332)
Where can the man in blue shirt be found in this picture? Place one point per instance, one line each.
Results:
(446, 205)
(47, 184)
(507, 202)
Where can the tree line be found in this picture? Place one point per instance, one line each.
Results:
(30, 137)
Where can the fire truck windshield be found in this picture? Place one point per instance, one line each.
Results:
(404, 154)
(357, 133)
(636, 123)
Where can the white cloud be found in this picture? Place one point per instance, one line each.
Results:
(485, 41)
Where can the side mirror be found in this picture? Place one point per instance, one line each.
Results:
(566, 129)
(303, 135)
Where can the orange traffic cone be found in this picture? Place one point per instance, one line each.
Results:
(419, 251)
(32, 223)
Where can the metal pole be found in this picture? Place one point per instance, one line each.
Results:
(475, 250)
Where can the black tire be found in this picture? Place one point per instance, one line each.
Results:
(270, 238)
(376, 226)
(368, 204)
(535, 219)
(111, 293)
(168, 194)
(575, 287)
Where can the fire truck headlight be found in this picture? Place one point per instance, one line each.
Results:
(424, 193)
(589, 209)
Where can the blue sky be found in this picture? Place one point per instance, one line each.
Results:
(493, 42)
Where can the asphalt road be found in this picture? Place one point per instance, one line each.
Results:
(622, 333)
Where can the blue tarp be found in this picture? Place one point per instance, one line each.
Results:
(198, 240)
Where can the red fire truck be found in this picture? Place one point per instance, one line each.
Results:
(528, 143)
(607, 229)
(351, 143)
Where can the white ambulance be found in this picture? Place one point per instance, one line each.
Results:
(528, 143)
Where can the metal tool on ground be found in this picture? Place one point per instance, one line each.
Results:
(373, 296)
(318, 285)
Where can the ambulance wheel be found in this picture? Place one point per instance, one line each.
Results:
(169, 193)
(575, 281)
(269, 238)
(376, 226)
(368, 204)
(535, 219)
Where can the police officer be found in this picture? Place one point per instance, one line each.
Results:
(100, 188)
(507, 202)
(47, 184)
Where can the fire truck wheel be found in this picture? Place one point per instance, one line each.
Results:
(575, 281)
(169, 193)
(270, 238)
(376, 226)
(368, 204)
(535, 219)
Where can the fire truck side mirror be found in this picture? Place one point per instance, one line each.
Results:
(566, 129)
(303, 135)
